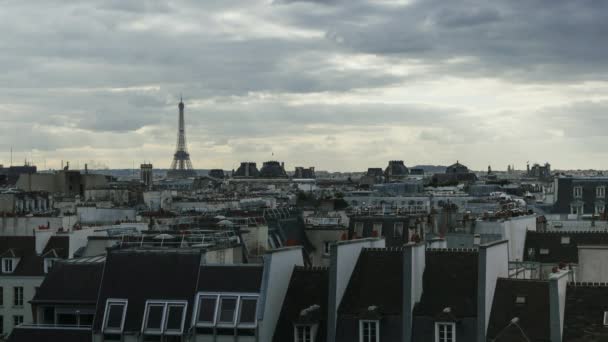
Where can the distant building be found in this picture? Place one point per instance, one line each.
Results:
(216, 173)
(146, 175)
(273, 169)
(10, 175)
(305, 173)
(454, 174)
(538, 171)
(580, 195)
(246, 170)
(67, 182)
(395, 171)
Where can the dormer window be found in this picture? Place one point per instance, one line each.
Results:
(520, 300)
(48, 264)
(544, 251)
(164, 317)
(304, 332)
(8, 265)
(578, 192)
(600, 192)
(226, 310)
(606, 318)
(114, 316)
(369, 331)
(565, 240)
(445, 332)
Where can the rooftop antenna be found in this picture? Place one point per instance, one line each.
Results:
(11, 156)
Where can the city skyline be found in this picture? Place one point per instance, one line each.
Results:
(339, 85)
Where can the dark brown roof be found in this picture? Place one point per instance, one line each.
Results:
(60, 244)
(559, 252)
(141, 275)
(377, 280)
(308, 289)
(230, 278)
(449, 280)
(584, 314)
(533, 315)
(71, 283)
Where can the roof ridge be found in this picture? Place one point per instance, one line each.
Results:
(588, 284)
(459, 250)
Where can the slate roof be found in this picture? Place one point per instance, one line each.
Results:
(533, 315)
(24, 334)
(377, 280)
(23, 247)
(307, 289)
(141, 275)
(230, 278)
(71, 283)
(449, 280)
(61, 245)
(584, 314)
(559, 252)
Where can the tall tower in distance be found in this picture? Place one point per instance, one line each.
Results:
(181, 167)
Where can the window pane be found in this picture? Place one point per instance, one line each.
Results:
(155, 317)
(114, 320)
(248, 308)
(174, 320)
(206, 309)
(227, 310)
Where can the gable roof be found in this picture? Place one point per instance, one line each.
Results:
(305, 301)
(141, 275)
(377, 280)
(449, 280)
(60, 244)
(24, 248)
(230, 278)
(71, 283)
(533, 315)
(558, 252)
(584, 313)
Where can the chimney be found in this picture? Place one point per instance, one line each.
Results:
(86, 169)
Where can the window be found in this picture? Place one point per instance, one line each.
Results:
(327, 247)
(369, 331)
(114, 317)
(445, 332)
(520, 300)
(18, 296)
(7, 265)
(599, 209)
(1, 296)
(164, 317)
(248, 311)
(227, 310)
(303, 333)
(565, 240)
(576, 209)
(48, 264)
(398, 230)
(206, 310)
(606, 318)
(578, 192)
(531, 253)
(544, 251)
(359, 229)
(17, 319)
(600, 192)
(377, 230)
(1, 325)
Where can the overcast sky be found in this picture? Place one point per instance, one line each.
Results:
(337, 84)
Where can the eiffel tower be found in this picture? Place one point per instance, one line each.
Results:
(181, 167)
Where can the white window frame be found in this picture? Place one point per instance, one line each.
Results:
(18, 296)
(359, 228)
(311, 328)
(600, 192)
(115, 301)
(606, 318)
(9, 261)
(327, 247)
(438, 326)
(165, 304)
(227, 324)
(565, 240)
(577, 192)
(396, 227)
(49, 263)
(599, 209)
(17, 318)
(576, 209)
(378, 225)
(544, 251)
(237, 316)
(370, 338)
